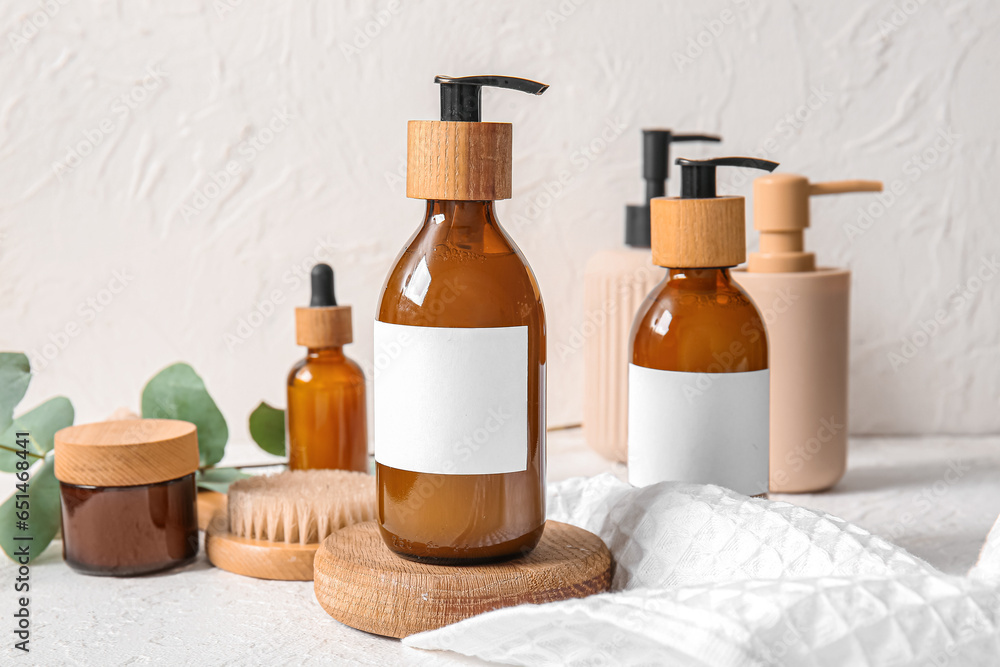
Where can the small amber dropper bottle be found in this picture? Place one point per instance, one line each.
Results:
(327, 424)
(698, 378)
(460, 352)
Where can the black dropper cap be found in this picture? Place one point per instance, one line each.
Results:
(655, 171)
(698, 176)
(322, 287)
(461, 96)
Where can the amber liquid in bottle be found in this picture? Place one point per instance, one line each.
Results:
(478, 278)
(699, 321)
(327, 425)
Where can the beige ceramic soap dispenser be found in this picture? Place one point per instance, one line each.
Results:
(807, 313)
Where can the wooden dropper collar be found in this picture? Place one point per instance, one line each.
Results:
(781, 215)
(323, 323)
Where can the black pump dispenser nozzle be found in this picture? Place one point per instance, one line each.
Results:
(698, 176)
(461, 95)
(322, 287)
(655, 171)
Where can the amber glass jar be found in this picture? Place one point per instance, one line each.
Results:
(128, 495)
(327, 425)
(461, 272)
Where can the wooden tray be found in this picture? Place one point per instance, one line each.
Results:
(362, 584)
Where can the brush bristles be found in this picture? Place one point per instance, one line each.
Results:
(300, 506)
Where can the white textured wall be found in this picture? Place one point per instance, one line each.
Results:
(313, 115)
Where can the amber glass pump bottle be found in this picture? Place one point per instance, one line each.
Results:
(460, 352)
(698, 378)
(327, 424)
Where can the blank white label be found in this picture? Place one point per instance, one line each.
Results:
(451, 401)
(708, 428)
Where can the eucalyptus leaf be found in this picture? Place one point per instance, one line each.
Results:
(42, 506)
(9, 457)
(218, 479)
(267, 428)
(15, 374)
(41, 424)
(177, 392)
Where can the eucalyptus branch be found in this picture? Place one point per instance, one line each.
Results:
(18, 451)
(252, 465)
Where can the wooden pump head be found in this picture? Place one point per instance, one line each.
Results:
(459, 157)
(699, 229)
(781, 214)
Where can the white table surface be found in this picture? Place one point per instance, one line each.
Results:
(898, 488)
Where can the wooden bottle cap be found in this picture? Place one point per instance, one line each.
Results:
(126, 453)
(324, 326)
(361, 583)
(458, 161)
(698, 233)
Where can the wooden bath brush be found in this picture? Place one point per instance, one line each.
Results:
(275, 523)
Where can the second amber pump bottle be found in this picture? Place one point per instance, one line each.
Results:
(698, 378)
(460, 352)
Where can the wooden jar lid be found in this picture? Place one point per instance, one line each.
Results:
(134, 452)
(362, 584)
(458, 161)
(698, 233)
(323, 326)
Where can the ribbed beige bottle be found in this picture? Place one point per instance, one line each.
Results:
(615, 284)
(807, 314)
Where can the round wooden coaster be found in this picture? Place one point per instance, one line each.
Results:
(361, 583)
(257, 558)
